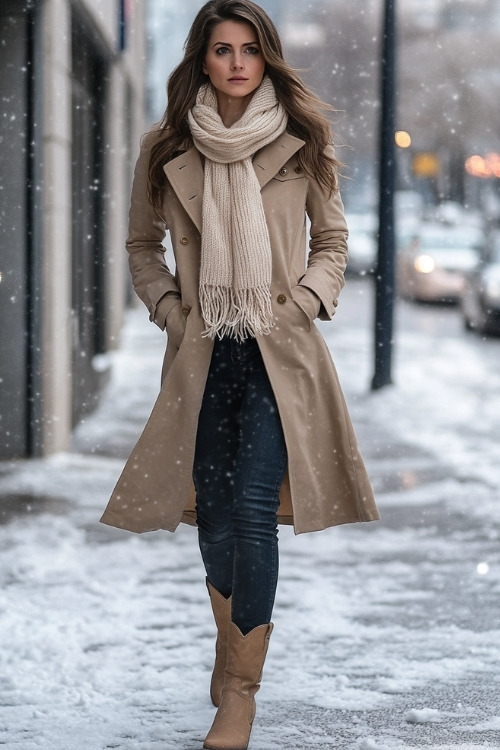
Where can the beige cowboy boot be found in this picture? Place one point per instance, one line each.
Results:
(246, 655)
(221, 608)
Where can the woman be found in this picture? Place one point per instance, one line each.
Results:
(250, 427)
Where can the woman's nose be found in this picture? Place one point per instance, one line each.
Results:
(237, 62)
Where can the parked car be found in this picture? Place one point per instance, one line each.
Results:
(432, 264)
(362, 243)
(480, 301)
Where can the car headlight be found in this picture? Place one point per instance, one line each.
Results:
(424, 264)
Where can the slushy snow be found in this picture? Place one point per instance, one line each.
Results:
(385, 635)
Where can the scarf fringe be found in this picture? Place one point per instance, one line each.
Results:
(240, 313)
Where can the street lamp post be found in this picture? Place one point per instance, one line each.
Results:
(384, 277)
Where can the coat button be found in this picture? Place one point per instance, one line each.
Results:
(184, 240)
(335, 302)
(283, 171)
(186, 310)
(281, 299)
(298, 170)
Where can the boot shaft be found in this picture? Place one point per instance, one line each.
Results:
(246, 655)
(221, 608)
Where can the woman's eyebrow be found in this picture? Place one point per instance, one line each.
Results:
(228, 44)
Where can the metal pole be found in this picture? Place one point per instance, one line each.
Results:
(384, 277)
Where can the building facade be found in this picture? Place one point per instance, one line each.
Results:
(72, 82)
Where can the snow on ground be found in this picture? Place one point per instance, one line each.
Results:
(386, 635)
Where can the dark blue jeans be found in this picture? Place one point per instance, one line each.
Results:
(239, 465)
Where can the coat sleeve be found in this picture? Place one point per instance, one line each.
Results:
(328, 248)
(153, 282)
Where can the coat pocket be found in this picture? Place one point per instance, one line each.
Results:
(307, 301)
(176, 325)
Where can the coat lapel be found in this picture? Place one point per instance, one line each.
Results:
(185, 172)
(269, 160)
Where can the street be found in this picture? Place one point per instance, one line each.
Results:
(386, 634)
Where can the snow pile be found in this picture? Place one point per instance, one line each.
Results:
(422, 715)
(371, 744)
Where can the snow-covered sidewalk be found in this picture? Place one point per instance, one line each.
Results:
(386, 635)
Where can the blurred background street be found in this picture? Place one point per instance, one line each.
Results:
(80, 83)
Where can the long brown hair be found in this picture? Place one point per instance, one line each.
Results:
(305, 110)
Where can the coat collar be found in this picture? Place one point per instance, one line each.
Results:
(185, 172)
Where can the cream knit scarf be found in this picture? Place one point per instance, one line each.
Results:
(236, 262)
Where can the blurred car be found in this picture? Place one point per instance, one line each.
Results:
(362, 243)
(431, 266)
(480, 301)
(453, 213)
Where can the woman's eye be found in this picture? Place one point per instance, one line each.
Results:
(253, 50)
(221, 50)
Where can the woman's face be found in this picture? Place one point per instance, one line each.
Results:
(234, 61)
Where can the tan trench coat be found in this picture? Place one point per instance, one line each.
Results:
(326, 482)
